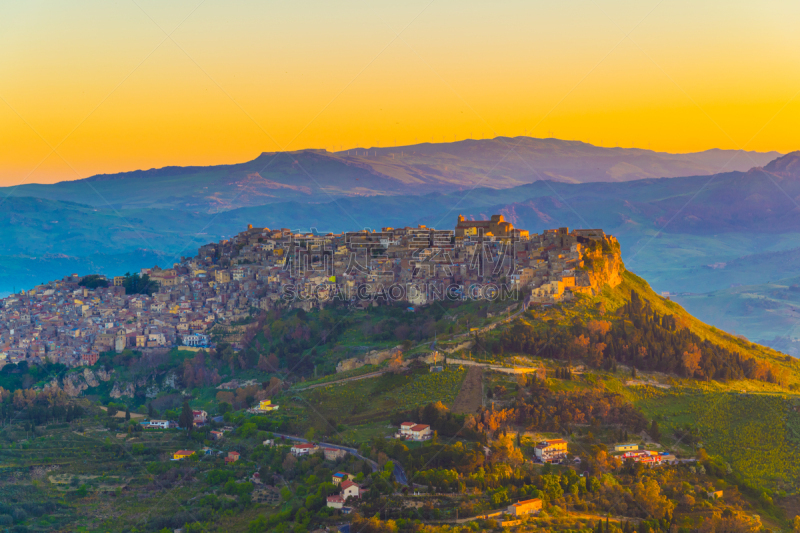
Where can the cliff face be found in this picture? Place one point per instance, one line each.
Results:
(602, 266)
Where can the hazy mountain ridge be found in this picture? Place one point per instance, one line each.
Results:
(321, 176)
(509, 161)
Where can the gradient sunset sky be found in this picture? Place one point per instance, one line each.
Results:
(89, 87)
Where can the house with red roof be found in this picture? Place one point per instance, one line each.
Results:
(414, 431)
(304, 448)
(232, 457)
(350, 489)
(335, 501)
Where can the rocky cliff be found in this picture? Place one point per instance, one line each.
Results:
(76, 382)
(602, 265)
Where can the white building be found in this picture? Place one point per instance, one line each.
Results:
(304, 449)
(414, 431)
(195, 339)
(335, 501)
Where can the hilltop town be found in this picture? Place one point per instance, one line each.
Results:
(483, 377)
(72, 320)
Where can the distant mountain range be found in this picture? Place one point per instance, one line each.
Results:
(690, 236)
(321, 176)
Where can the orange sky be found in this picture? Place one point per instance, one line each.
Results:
(103, 84)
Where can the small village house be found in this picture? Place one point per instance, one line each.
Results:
(414, 431)
(232, 457)
(350, 489)
(304, 448)
(551, 451)
(267, 405)
(336, 501)
(333, 454)
(182, 454)
(339, 477)
(525, 507)
(200, 418)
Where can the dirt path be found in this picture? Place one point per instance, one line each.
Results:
(469, 397)
(345, 380)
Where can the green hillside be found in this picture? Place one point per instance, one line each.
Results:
(743, 432)
(631, 282)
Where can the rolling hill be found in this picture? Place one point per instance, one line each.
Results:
(320, 176)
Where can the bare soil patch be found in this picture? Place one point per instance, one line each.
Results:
(469, 397)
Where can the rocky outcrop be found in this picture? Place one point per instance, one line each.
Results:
(170, 380)
(52, 385)
(90, 378)
(104, 375)
(127, 390)
(74, 384)
(458, 347)
(602, 266)
(374, 357)
(431, 358)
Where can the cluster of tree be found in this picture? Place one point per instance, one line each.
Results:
(564, 373)
(545, 410)
(298, 340)
(197, 374)
(400, 325)
(16, 512)
(41, 414)
(93, 281)
(289, 335)
(38, 407)
(437, 416)
(639, 337)
(136, 284)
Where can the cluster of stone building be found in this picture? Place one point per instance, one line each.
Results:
(64, 322)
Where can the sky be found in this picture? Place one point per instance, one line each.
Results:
(90, 87)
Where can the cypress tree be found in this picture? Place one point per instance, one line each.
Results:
(186, 419)
(655, 433)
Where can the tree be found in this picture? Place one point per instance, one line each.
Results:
(691, 360)
(127, 414)
(186, 419)
(134, 284)
(648, 495)
(655, 433)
